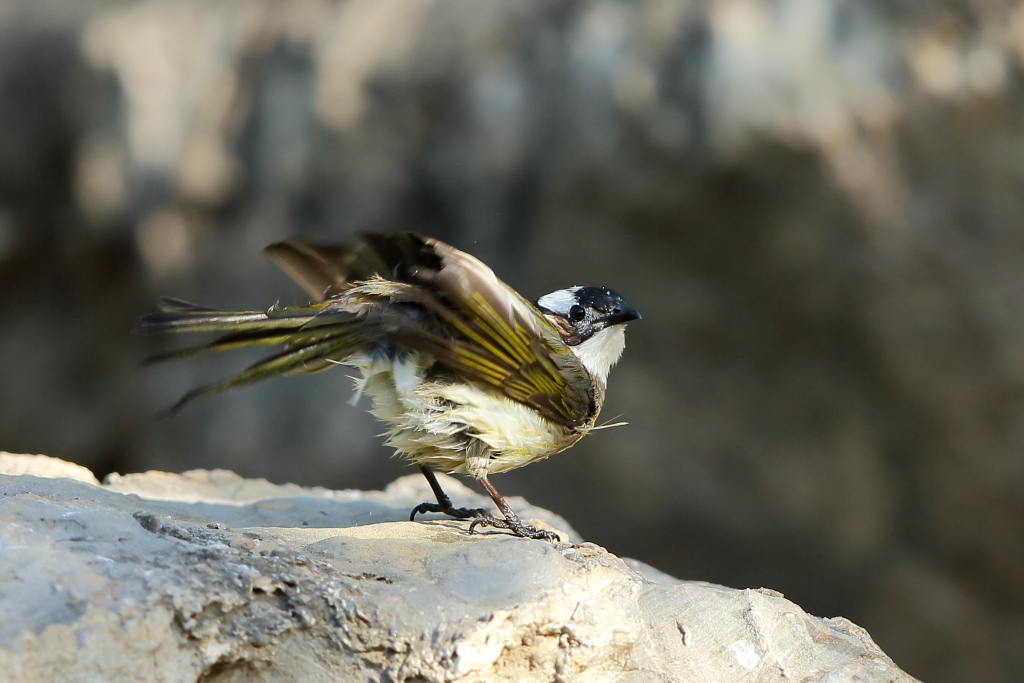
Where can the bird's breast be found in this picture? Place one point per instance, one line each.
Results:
(433, 418)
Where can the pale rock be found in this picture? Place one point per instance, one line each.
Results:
(209, 576)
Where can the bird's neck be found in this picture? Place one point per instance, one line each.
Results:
(599, 353)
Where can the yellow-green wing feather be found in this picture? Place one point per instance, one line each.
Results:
(507, 342)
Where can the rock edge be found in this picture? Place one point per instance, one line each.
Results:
(209, 576)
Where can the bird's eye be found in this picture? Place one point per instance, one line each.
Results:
(576, 313)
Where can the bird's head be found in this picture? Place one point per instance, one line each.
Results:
(591, 322)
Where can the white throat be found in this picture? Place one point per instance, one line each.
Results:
(599, 353)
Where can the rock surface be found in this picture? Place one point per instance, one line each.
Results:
(208, 576)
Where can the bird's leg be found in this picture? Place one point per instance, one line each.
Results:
(444, 503)
(511, 521)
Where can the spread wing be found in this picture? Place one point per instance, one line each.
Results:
(497, 337)
(406, 291)
(325, 271)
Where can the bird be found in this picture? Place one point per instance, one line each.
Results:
(467, 375)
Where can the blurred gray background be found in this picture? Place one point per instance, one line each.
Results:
(818, 207)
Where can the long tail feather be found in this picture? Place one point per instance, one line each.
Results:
(302, 330)
(308, 335)
(176, 315)
(286, 362)
(228, 342)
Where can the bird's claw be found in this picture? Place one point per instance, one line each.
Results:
(517, 528)
(450, 510)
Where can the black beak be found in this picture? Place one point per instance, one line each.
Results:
(620, 317)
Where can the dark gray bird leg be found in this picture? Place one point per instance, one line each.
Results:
(444, 503)
(511, 521)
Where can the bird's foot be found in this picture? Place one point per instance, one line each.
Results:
(516, 527)
(446, 508)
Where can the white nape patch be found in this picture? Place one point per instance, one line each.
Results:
(746, 655)
(560, 301)
(599, 353)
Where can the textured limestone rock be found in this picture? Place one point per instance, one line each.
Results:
(208, 576)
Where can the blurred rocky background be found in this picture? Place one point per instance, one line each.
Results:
(818, 207)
